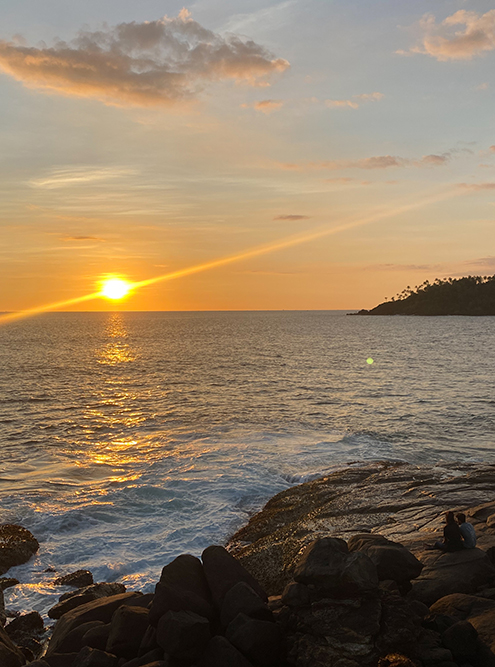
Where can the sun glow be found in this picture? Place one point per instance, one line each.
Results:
(115, 288)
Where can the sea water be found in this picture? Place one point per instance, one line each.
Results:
(130, 438)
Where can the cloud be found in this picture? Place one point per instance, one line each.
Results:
(375, 162)
(483, 86)
(153, 63)
(82, 238)
(492, 149)
(346, 180)
(265, 106)
(352, 104)
(291, 217)
(477, 186)
(60, 178)
(444, 41)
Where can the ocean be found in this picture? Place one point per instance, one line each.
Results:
(130, 438)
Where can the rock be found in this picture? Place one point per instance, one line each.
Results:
(395, 660)
(223, 571)
(241, 598)
(74, 640)
(260, 641)
(98, 610)
(150, 657)
(17, 546)
(327, 564)
(148, 643)
(7, 582)
(127, 629)
(461, 640)
(479, 612)
(296, 595)
(221, 653)
(78, 579)
(182, 587)
(39, 663)
(10, 655)
(25, 625)
(74, 599)
(392, 560)
(97, 636)
(183, 635)
(60, 659)
(400, 626)
(447, 573)
(92, 657)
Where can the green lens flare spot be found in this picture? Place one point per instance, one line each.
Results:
(369, 361)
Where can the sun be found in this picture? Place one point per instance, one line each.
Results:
(115, 288)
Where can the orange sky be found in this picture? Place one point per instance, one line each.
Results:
(367, 135)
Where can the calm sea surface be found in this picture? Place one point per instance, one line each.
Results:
(127, 439)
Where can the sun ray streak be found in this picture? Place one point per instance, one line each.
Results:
(288, 242)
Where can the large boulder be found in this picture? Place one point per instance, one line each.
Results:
(223, 571)
(74, 599)
(183, 635)
(78, 579)
(446, 573)
(10, 655)
(25, 631)
(261, 642)
(221, 653)
(74, 641)
(241, 598)
(98, 610)
(478, 611)
(92, 657)
(182, 587)
(17, 546)
(392, 560)
(127, 629)
(327, 564)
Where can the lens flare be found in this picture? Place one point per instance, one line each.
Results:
(115, 288)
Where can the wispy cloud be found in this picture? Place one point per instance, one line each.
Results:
(445, 41)
(291, 216)
(375, 162)
(347, 180)
(152, 63)
(353, 103)
(61, 178)
(83, 238)
(477, 186)
(265, 106)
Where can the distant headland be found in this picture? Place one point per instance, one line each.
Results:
(472, 295)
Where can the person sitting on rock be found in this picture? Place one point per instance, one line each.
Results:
(467, 531)
(452, 537)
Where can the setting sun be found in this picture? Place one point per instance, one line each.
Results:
(115, 288)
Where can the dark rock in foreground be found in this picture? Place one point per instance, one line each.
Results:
(17, 546)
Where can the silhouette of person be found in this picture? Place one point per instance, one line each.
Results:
(452, 537)
(467, 531)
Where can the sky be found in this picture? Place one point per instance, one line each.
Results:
(351, 142)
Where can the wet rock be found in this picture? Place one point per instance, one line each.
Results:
(221, 653)
(25, 631)
(127, 629)
(96, 636)
(241, 598)
(7, 582)
(260, 641)
(92, 657)
(10, 655)
(183, 635)
(182, 587)
(74, 640)
(223, 571)
(78, 579)
(461, 640)
(98, 610)
(74, 599)
(393, 561)
(17, 546)
(447, 573)
(328, 565)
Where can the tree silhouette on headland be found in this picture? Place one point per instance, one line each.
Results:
(472, 295)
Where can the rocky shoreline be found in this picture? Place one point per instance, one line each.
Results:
(333, 572)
